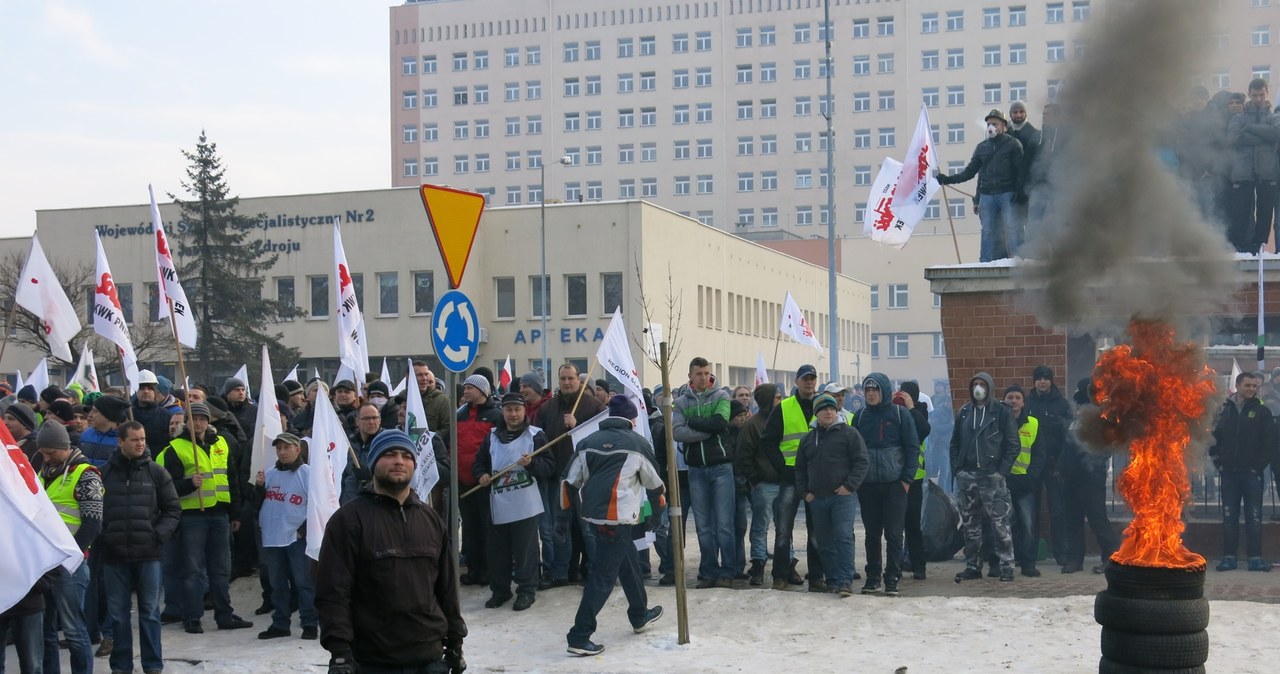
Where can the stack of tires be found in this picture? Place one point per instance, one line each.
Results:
(1153, 620)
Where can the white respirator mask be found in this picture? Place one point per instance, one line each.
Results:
(979, 393)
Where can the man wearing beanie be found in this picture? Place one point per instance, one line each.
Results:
(236, 394)
(203, 475)
(893, 446)
(613, 474)
(534, 393)
(75, 487)
(1047, 404)
(477, 417)
(1024, 483)
(515, 503)
(21, 422)
(98, 442)
(700, 420)
(831, 463)
(385, 580)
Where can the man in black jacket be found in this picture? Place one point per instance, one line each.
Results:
(385, 584)
(830, 465)
(140, 513)
(1051, 409)
(997, 161)
(984, 446)
(1244, 439)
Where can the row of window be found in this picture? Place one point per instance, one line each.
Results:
(801, 33)
(803, 216)
(576, 297)
(734, 312)
(898, 345)
(897, 296)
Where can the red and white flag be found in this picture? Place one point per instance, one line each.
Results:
(614, 355)
(795, 326)
(883, 221)
(916, 184)
(762, 375)
(267, 426)
(108, 318)
(86, 372)
(353, 348)
(171, 292)
(504, 377)
(40, 292)
(33, 538)
(328, 450)
(425, 473)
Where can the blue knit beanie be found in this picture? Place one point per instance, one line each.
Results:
(392, 438)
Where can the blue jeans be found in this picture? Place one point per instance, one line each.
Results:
(1238, 486)
(65, 603)
(1001, 233)
(290, 565)
(97, 620)
(122, 581)
(1024, 492)
(786, 507)
(741, 519)
(28, 641)
(764, 498)
(832, 517)
(714, 502)
(555, 554)
(614, 560)
(206, 557)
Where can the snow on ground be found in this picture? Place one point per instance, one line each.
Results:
(761, 630)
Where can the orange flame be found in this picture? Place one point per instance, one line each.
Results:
(1150, 393)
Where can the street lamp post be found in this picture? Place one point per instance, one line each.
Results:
(543, 283)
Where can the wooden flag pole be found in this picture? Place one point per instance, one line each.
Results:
(182, 369)
(947, 206)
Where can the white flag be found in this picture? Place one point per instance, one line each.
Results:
(883, 221)
(108, 318)
(916, 183)
(293, 374)
(39, 378)
(400, 387)
(425, 473)
(267, 426)
(353, 351)
(592, 425)
(328, 450)
(39, 292)
(20, 381)
(243, 375)
(86, 372)
(1235, 372)
(795, 325)
(385, 377)
(504, 376)
(344, 372)
(171, 292)
(614, 355)
(33, 538)
(762, 375)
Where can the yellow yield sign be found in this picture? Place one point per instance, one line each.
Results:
(455, 217)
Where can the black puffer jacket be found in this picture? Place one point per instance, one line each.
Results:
(140, 510)
(998, 164)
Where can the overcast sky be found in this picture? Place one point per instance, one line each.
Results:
(99, 97)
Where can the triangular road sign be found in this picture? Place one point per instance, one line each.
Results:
(455, 217)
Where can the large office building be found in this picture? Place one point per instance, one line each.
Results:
(715, 110)
(726, 293)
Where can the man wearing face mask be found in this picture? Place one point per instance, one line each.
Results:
(984, 446)
(997, 161)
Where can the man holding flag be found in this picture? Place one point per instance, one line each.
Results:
(997, 161)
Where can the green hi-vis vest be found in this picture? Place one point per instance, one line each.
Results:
(211, 465)
(920, 471)
(1027, 437)
(794, 427)
(62, 491)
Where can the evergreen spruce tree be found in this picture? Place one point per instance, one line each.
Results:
(222, 268)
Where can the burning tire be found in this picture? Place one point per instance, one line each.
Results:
(1155, 583)
(1158, 651)
(1106, 666)
(1150, 616)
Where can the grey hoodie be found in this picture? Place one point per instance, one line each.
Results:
(985, 439)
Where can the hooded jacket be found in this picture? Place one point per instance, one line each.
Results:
(889, 432)
(474, 424)
(985, 439)
(155, 418)
(701, 422)
(1054, 413)
(750, 461)
(613, 470)
(140, 510)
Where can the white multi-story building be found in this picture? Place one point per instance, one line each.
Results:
(715, 109)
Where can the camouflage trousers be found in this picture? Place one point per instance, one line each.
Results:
(984, 496)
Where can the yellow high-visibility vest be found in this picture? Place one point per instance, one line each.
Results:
(794, 427)
(1026, 437)
(62, 491)
(211, 465)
